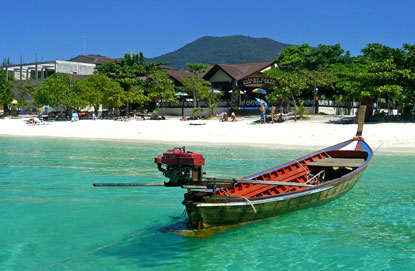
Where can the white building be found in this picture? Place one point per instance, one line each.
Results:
(80, 65)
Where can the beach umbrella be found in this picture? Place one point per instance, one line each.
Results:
(260, 101)
(182, 95)
(259, 90)
(214, 90)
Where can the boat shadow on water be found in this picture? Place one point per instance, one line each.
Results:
(182, 228)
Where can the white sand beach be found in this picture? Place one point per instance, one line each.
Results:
(318, 131)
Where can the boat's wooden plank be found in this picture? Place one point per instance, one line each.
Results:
(337, 162)
(288, 177)
(195, 186)
(270, 182)
(128, 184)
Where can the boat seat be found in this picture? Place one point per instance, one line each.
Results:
(337, 162)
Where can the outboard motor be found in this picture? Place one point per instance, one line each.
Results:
(181, 167)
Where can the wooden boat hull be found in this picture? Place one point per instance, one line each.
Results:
(205, 212)
(212, 215)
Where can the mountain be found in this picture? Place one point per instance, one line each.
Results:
(223, 50)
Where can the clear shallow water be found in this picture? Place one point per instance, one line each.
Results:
(50, 212)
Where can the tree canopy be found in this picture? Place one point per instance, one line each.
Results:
(6, 94)
(98, 89)
(380, 72)
(132, 73)
(56, 90)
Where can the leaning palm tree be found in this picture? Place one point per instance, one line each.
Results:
(212, 99)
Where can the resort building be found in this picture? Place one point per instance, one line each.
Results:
(80, 65)
(235, 81)
(242, 76)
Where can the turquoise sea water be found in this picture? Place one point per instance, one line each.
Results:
(50, 213)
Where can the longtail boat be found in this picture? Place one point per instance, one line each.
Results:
(304, 182)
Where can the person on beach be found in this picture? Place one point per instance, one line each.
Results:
(224, 117)
(233, 117)
(262, 113)
(273, 113)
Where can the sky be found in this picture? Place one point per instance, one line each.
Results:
(62, 29)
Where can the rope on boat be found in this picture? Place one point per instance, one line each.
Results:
(245, 198)
(328, 155)
(92, 251)
(317, 176)
(308, 174)
(313, 177)
(298, 162)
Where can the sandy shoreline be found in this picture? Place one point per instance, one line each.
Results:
(317, 132)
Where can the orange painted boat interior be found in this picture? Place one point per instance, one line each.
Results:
(294, 172)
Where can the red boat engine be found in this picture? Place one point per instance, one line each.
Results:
(181, 167)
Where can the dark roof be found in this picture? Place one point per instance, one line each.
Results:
(237, 71)
(176, 74)
(92, 59)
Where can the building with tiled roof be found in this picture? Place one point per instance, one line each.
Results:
(233, 75)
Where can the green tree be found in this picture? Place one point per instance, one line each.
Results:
(21, 104)
(294, 57)
(326, 55)
(56, 90)
(320, 78)
(98, 89)
(24, 88)
(132, 74)
(289, 85)
(379, 53)
(162, 87)
(198, 87)
(212, 99)
(196, 68)
(408, 56)
(6, 94)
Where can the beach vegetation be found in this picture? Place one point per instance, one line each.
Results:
(197, 87)
(99, 89)
(16, 107)
(196, 113)
(294, 57)
(6, 94)
(212, 99)
(382, 74)
(196, 68)
(301, 111)
(25, 88)
(290, 85)
(132, 73)
(162, 88)
(57, 90)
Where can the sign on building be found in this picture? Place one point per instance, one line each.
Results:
(259, 80)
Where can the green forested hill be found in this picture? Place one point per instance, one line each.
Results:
(223, 50)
